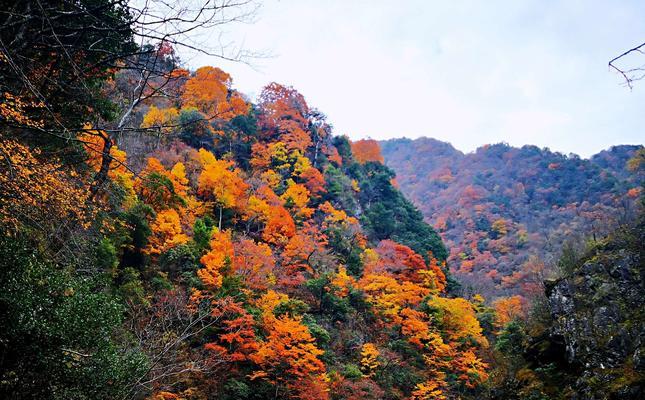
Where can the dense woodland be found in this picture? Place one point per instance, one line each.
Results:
(506, 213)
(164, 237)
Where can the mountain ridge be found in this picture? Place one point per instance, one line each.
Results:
(499, 206)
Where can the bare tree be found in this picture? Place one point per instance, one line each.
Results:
(629, 74)
(167, 332)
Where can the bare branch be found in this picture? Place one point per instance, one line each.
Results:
(629, 75)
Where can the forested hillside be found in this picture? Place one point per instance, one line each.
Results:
(165, 237)
(504, 212)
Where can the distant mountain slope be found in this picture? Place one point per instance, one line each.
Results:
(498, 206)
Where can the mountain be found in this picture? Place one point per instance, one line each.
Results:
(163, 237)
(504, 211)
(219, 249)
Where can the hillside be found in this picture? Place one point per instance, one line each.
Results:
(584, 339)
(165, 237)
(193, 244)
(504, 211)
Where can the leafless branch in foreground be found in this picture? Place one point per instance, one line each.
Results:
(629, 75)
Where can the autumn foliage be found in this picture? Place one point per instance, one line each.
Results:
(239, 239)
(367, 150)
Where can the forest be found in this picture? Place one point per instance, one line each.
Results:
(506, 213)
(165, 237)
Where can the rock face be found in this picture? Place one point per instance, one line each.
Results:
(599, 310)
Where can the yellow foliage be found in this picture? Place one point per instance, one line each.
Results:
(166, 232)
(221, 182)
(164, 120)
(389, 296)
(34, 190)
(297, 196)
(369, 359)
(458, 319)
(343, 281)
(429, 390)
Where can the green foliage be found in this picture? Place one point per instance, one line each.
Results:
(161, 282)
(344, 247)
(106, 258)
(321, 334)
(58, 336)
(291, 307)
(569, 259)
(329, 304)
(235, 389)
(130, 286)
(135, 238)
(352, 372)
(82, 40)
(195, 129)
(388, 214)
(159, 186)
(246, 127)
(344, 148)
(180, 261)
(202, 231)
(512, 339)
(339, 189)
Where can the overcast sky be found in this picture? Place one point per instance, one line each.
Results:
(466, 72)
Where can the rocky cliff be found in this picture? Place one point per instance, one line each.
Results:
(598, 310)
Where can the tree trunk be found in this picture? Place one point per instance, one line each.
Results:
(106, 160)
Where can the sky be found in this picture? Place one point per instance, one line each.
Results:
(466, 72)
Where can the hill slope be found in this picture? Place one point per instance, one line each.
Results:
(498, 206)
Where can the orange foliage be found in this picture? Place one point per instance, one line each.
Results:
(399, 261)
(314, 181)
(220, 256)
(281, 103)
(13, 109)
(279, 227)
(297, 254)
(209, 90)
(508, 309)
(414, 326)
(367, 150)
(289, 355)
(166, 232)
(254, 262)
(37, 191)
(238, 341)
(471, 370)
